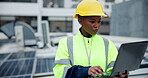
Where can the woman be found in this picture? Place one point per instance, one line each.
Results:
(87, 54)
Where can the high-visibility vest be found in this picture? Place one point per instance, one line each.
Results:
(71, 51)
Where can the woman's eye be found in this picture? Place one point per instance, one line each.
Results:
(99, 21)
(92, 21)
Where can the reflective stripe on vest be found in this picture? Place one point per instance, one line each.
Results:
(106, 42)
(111, 64)
(70, 51)
(63, 61)
(65, 71)
(66, 62)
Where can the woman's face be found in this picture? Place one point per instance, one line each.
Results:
(90, 25)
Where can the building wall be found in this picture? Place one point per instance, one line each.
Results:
(130, 19)
(48, 8)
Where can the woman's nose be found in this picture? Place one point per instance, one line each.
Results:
(96, 25)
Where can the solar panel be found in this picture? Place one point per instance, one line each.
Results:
(19, 55)
(21, 65)
(44, 65)
(18, 65)
(27, 76)
(2, 56)
(16, 68)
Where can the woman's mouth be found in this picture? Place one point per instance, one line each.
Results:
(96, 30)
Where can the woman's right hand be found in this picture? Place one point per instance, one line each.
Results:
(95, 71)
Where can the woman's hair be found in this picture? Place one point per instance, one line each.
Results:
(79, 17)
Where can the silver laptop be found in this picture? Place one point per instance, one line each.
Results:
(129, 57)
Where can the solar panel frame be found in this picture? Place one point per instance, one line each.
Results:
(18, 76)
(18, 55)
(18, 67)
(44, 65)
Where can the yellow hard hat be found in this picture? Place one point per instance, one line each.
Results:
(89, 8)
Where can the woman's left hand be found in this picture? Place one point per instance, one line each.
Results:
(121, 75)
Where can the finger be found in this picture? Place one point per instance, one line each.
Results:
(89, 71)
(98, 74)
(99, 69)
(126, 72)
(116, 76)
(121, 75)
(95, 72)
(92, 74)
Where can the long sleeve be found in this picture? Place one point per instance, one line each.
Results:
(62, 63)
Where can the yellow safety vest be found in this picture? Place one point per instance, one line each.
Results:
(76, 50)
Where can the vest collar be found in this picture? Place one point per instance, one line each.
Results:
(80, 34)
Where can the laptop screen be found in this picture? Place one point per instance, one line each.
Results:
(129, 57)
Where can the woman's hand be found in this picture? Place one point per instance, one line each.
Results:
(95, 71)
(121, 75)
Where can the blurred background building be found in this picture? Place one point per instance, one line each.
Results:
(58, 13)
(130, 19)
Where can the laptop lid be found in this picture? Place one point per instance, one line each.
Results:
(129, 57)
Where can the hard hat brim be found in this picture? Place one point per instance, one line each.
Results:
(102, 15)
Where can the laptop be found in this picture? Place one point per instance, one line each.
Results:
(129, 57)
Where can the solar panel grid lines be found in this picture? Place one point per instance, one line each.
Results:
(34, 67)
(23, 68)
(17, 64)
(40, 66)
(19, 59)
(44, 65)
(38, 69)
(18, 55)
(14, 68)
(26, 71)
(18, 76)
(18, 69)
(5, 58)
(2, 56)
(9, 69)
(25, 65)
(47, 64)
(12, 55)
(3, 69)
(50, 64)
(30, 67)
